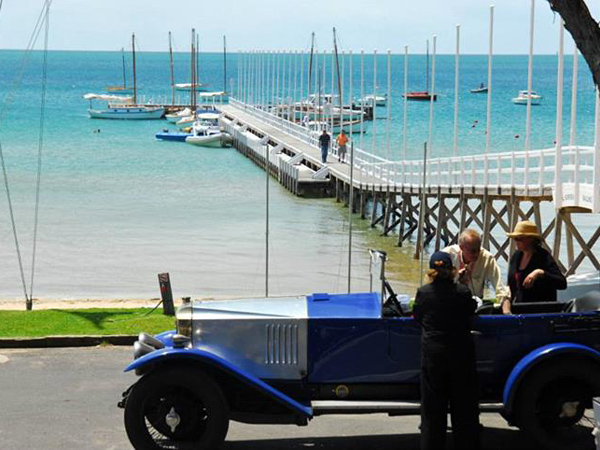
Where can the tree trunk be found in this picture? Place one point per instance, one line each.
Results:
(584, 29)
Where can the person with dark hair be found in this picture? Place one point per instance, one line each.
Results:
(533, 275)
(324, 140)
(448, 373)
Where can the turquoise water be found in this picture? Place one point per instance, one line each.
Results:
(118, 207)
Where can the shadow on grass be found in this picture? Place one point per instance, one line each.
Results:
(99, 318)
(492, 438)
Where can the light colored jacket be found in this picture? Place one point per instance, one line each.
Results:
(485, 272)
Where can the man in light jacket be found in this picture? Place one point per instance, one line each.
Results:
(477, 268)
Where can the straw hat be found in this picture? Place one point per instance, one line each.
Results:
(525, 228)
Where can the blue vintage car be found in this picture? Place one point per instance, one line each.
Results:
(289, 360)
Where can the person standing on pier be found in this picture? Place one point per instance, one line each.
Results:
(342, 140)
(477, 268)
(448, 372)
(324, 141)
(533, 275)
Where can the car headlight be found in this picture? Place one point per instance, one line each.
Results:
(184, 327)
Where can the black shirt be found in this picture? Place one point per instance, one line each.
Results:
(444, 310)
(544, 288)
(324, 139)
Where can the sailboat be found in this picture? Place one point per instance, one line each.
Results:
(124, 108)
(423, 95)
(121, 89)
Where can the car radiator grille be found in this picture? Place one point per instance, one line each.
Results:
(282, 344)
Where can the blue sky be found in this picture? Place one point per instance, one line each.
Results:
(285, 25)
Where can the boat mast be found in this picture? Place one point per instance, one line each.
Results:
(427, 70)
(310, 61)
(134, 75)
(193, 74)
(339, 82)
(224, 63)
(197, 61)
(124, 76)
(172, 71)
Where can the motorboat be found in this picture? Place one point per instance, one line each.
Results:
(207, 136)
(367, 100)
(482, 89)
(176, 116)
(172, 135)
(526, 96)
(198, 87)
(119, 107)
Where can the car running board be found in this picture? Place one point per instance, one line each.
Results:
(393, 408)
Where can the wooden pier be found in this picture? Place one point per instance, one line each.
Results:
(391, 194)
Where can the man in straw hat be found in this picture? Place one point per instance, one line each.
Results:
(533, 275)
(477, 268)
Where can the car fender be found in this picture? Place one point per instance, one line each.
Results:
(214, 361)
(531, 360)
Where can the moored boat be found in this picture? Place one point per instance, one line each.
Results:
(422, 96)
(172, 135)
(207, 136)
(482, 89)
(525, 96)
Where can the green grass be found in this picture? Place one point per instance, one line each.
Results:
(77, 322)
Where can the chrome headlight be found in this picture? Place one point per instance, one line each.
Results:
(184, 327)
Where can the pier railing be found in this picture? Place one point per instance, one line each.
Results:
(531, 172)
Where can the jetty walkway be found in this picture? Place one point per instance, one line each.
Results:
(435, 199)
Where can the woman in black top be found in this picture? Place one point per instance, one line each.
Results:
(448, 374)
(533, 275)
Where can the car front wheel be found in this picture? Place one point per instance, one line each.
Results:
(178, 408)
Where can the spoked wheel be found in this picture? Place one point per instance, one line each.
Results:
(552, 404)
(176, 409)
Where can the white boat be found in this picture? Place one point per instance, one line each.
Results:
(525, 96)
(207, 136)
(121, 108)
(188, 86)
(367, 100)
(127, 113)
(174, 117)
(124, 108)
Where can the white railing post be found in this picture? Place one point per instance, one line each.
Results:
(374, 140)
(405, 113)
(488, 125)
(529, 89)
(573, 138)
(456, 89)
(558, 187)
(431, 100)
(362, 96)
(388, 104)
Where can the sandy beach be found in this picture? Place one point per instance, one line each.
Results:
(19, 304)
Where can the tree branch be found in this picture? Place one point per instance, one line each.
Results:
(584, 30)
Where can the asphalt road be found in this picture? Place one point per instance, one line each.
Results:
(66, 399)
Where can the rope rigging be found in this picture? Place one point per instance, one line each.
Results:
(42, 18)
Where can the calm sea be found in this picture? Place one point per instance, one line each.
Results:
(118, 207)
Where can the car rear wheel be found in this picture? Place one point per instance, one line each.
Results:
(551, 404)
(176, 408)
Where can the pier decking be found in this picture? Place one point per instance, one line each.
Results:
(490, 192)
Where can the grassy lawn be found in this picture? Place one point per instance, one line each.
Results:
(73, 322)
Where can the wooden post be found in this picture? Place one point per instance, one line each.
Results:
(166, 294)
